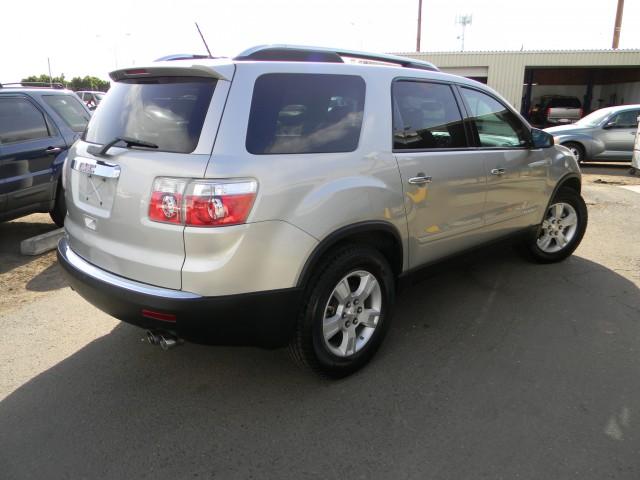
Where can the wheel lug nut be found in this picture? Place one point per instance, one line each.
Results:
(348, 304)
(347, 323)
(355, 321)
(355, 302)
(344, 315)
(359, 309)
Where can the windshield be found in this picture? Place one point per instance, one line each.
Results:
(594, 118)
(166, 111)
(70, 109)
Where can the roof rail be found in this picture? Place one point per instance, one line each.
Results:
(297, 53)
(32, 85)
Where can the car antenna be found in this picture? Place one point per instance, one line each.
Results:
(203, 40)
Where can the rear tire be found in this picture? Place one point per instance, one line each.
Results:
(577, 150)
(347, 312)
(562, 229)
(59, 208)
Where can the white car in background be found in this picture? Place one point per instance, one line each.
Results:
(90, 98)
(635, 159)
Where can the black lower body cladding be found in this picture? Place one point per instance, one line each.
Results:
(263, 319)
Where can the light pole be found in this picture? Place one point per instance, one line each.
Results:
(419, 25)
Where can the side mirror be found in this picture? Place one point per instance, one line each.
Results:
(541, 139)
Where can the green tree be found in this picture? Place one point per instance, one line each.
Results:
(76, 83)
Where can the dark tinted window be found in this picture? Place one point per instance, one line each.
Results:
(563, 102)
(70, 109)
(495, 124)
(305, 113)
(166, 111)
(20, 121)
(426, 116)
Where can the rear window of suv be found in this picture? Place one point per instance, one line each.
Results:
(305, 113)
(166, 111)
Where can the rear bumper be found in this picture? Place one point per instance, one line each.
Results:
(264, 319)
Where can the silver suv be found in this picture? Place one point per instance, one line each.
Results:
(277, 198)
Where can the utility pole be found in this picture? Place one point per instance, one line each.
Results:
(419, 25)
(50, 78)
(618, 25)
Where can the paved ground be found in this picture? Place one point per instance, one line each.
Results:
(494, 368)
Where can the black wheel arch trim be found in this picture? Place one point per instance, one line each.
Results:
(559, 184)
(344, 233)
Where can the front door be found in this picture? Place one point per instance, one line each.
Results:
(619, 134)
(517, 193)
(444, 187)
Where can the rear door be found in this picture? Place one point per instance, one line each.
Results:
(443, 185)
(108, 193)
(29, 144)
(516, 173)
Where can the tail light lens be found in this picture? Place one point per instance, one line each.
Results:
(166, 200)
(202, 203)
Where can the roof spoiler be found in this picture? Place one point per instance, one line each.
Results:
(168, 68)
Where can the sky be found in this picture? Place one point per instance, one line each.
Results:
(81, 38)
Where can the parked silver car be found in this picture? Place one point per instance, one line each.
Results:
(604, 135)
(279, 197)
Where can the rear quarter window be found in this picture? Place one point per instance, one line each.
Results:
(305, 113)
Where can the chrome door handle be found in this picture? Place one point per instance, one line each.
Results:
(420, 179)
(53, 150)
(498, 171)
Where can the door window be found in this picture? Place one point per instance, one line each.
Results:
(20, 121)
(426, 116)
(495, 124)
(70, 109)
(628, 119)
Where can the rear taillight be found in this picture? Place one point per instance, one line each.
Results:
(166, 200)
(202, 203)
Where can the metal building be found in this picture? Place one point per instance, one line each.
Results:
(599, 78)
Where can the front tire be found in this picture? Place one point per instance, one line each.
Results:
(347, 312)
(577, 150)
(562, 229)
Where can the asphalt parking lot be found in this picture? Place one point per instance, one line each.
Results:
(494, 368)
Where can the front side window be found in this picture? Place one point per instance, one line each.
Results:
(20, 121)
(495, 124)
(628, 119)
(166, 111)
(426, 116)
(70, 109)
(305, 113)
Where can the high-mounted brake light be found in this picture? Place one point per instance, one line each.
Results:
(202, 203)
(135, 71)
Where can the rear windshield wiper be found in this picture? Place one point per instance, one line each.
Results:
(128, 141)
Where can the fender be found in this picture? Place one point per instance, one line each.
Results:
(559, 184)
(343, 233)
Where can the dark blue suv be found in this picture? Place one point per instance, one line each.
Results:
(37, 127)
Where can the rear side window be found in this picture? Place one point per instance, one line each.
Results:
(166, 111)
(20, 121)
(70, 109)
(426, 116)
(495, 125)
(305, 113)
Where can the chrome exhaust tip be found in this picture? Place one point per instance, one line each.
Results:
(152, 338)
(167, 342)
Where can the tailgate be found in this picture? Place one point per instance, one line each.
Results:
(108, 193)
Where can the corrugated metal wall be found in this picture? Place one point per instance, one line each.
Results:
(506, 69)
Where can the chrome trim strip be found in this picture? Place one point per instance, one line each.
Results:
(85, 267)
(92, 167)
